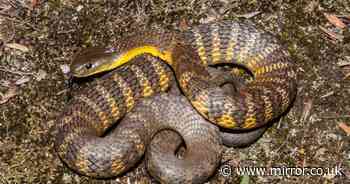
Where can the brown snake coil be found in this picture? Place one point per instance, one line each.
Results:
(96, 109)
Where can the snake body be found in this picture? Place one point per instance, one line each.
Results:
(95, 110)
(190, 53)
(81, 142)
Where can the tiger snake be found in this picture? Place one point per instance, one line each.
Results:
(189, 54)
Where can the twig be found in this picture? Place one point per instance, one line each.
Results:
(335, 117)
(16, 72)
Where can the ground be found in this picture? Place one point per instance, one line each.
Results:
(48, 33)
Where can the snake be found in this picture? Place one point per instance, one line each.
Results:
(102, 155)
(95, 110)
(97, 153)
(189, 53)
(87, 145)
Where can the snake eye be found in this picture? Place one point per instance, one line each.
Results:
(88, 66)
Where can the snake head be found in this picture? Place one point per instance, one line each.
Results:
(92, 60)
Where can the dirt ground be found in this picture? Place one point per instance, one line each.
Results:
(38, 38)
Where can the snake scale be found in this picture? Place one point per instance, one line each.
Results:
(95, 110)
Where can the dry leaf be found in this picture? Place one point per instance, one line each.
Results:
(307, 110)
(344, 127)
(17, 46)
(22, 80)
(8, 95)
(327, 94)
(343, 63)
(347, 75)
(335, 20)
(34, 3)
(249, 15)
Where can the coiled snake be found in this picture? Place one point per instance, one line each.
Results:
(262, 99)
(96, 109)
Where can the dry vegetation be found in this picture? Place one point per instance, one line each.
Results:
(38, 37)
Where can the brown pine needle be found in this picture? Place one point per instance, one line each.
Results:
(335, 20)
(344, 127)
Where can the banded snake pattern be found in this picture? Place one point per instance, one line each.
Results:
(93, 112)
